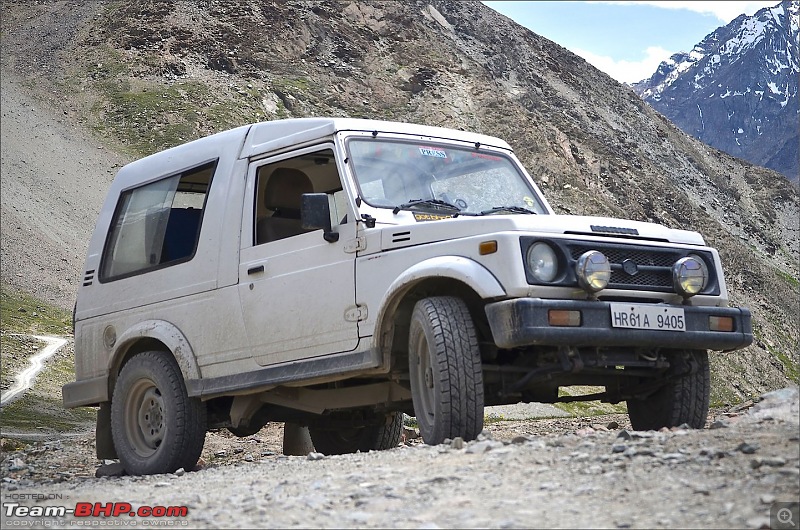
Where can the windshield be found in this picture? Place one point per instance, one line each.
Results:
(412, 175)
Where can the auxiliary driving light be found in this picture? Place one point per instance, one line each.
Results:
(689, 276)
(593, 271)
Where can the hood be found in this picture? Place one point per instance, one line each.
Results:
(609, 227)
(416, 232)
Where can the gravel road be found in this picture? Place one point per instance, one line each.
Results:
(553, 473)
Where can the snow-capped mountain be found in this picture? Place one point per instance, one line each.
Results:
(737, 89)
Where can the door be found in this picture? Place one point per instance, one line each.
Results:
(297, 290)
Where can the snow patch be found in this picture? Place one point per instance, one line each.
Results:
(702, 123)
(696, 55)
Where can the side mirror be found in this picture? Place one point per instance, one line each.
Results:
(315, 213)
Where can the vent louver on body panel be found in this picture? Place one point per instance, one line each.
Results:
(88, 278)
(401, 237)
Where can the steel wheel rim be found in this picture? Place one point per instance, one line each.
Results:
(144, 418)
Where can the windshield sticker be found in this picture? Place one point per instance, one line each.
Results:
(419, 216)
(485, 156)
(432, 151)
(529, 201)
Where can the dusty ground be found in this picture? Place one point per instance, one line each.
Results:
(573, 473)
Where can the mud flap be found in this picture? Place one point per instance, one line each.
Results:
(296, 440)
(103, 441)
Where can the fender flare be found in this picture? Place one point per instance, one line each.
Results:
(459, 268)
(164, 332)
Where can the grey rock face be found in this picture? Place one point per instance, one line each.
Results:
(737, 89)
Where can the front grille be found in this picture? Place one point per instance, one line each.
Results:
(654, 265)
(659, 278)
(655, 257)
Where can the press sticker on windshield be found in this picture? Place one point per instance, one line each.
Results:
(432, 151)
(420, 216)
(528, 201)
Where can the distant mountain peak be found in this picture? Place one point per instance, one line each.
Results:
(736, 90)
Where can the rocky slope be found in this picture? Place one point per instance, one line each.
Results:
(737, 89)
(148, 74)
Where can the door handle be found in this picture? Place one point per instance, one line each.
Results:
(256, 269)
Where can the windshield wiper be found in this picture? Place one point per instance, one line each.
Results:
(510, 209)
(435, 204)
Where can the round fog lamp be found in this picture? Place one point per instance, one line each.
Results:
(542, 262)
(593, 271)
(689, 276)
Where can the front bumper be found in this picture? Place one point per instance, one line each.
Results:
(524, 322)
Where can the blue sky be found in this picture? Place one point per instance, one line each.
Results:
(627, 40)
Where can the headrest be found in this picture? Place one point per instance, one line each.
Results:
(285, 187)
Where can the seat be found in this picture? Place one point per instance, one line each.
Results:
(180, 236)
(283, 195)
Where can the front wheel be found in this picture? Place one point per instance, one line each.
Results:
(350, 440)
(684, 398)
(445, 370)
(156, 426)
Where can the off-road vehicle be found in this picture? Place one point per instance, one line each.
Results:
(337, 273)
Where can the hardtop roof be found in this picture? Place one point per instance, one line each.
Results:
(273, 135)
(268, 136)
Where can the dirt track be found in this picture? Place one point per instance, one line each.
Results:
(726, 477)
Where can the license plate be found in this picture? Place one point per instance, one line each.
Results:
(637, 316)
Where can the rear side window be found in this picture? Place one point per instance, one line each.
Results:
(157, 225)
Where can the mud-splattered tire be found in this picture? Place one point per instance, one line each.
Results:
(445, 370)
(345, 441)
(156, 427)
(684, 399)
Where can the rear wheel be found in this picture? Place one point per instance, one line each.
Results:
(242, 432)
(445, 370)
(684, 398)
(350, 440)
(156, 426)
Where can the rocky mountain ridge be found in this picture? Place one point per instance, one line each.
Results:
(150, 74)
(736, 90)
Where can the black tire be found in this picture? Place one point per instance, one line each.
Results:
(345, 441)
(156, 427)
(683, 399)
(445, 368)
(242, 432)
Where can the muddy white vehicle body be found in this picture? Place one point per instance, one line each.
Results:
(334, 273)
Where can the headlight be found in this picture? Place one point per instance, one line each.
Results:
(689, 275)
(593, 271)
(542, 262)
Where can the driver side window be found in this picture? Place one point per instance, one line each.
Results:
(279, 190)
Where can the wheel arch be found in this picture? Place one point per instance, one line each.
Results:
(152, 335)
(441, 276)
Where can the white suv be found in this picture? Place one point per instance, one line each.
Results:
(335, 273)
